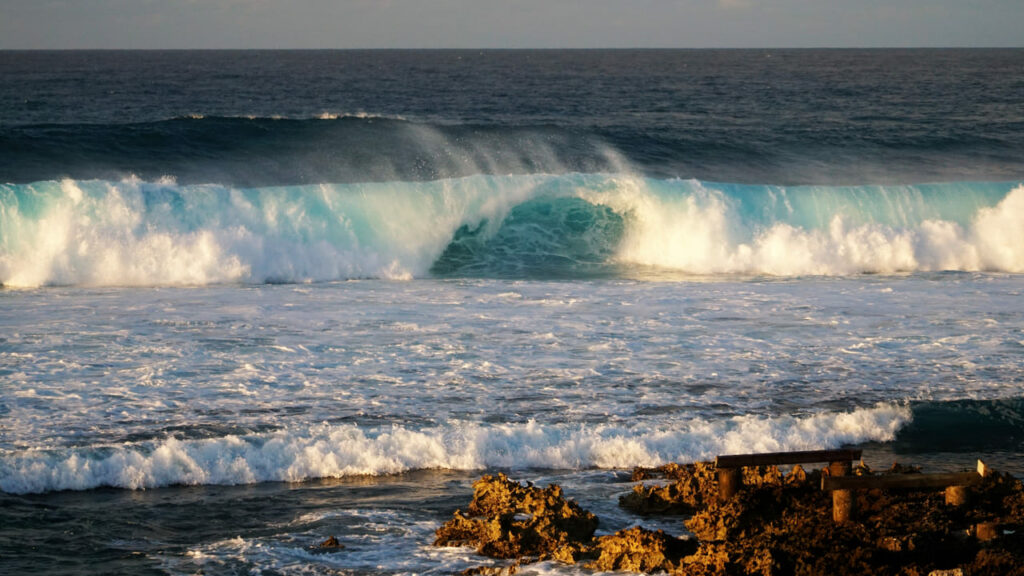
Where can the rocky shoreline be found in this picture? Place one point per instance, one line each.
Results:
(778, 524)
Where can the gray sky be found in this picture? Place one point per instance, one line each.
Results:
(507, 23)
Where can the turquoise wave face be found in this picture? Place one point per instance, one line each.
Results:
(549, 237)
(576, 225)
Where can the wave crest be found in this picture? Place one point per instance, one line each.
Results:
(336, 451)
(156, 233)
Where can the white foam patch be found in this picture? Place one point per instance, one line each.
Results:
(134, 233)
(337, 451)
(998, 234)
(359, 115)
(103, 238)
(701, 233)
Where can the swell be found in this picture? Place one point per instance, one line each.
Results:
(326, 451)
(964, 426)
(133, 232)
(269, 151)
(259, 151)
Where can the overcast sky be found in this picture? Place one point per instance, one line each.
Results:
(507, 23)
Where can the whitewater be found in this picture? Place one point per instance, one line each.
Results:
(325, 451)
(236, 384)
(490, 247)
(137, 233)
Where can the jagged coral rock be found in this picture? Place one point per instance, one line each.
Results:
(757, 476)
(509, 520)
(694, 485)
(1000, 492)
(647, 500)
(671, 471)
(797, 477)
(787, 528)
(776, 525)
(996, 562)
(640, 550)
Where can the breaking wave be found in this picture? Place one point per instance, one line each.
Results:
(133, 232)
(331, 451)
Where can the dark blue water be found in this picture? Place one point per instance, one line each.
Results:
(752, 116)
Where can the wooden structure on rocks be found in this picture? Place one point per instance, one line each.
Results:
(730, 478)
(956, 485)
(841, 484)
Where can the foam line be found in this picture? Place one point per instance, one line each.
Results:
(337, 451)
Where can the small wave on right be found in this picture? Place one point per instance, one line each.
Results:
(953, 435)
(964, 426)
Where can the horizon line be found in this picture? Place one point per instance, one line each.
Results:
(508, 49)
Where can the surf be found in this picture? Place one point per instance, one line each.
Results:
(336, 451)
(133, 232)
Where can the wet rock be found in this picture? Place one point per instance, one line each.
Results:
(509, 520)
(508, 570)
(329, 545)
(641, 550)
(898, 468)
(331, 542)
(999, 493)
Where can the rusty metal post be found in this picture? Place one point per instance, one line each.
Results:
(730, 480)
(957, 496)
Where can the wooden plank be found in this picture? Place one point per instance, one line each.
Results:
(777, 458)
(892, 481)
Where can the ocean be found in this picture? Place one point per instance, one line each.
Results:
(254, 299)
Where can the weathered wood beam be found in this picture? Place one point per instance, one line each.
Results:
(898, 481)
(778, 458)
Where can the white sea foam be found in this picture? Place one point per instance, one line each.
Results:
(346, 450)
(358, 115)
(160, 233)
(702, 233)
(137, 233)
